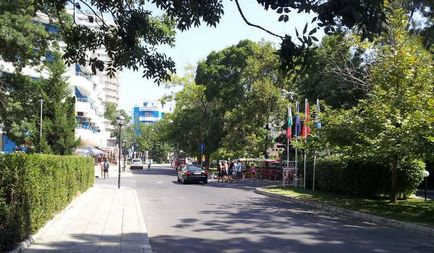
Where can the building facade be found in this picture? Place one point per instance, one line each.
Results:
(151, 111)
(92, 92)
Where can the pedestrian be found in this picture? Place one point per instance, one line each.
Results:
(149, 164)
(106, 168)
(219, 171)
(238, 170)
(101, 165)
(225, 171)
(252, 171)
(231, 171)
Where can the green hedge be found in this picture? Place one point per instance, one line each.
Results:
(367, 178)
(33, 188)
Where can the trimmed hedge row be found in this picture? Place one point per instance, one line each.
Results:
(33, 188)
(364, 178)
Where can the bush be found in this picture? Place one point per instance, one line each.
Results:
(366, 178)
(33, 188)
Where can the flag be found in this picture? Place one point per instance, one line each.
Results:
(317, 121)
(297, 128)
(306, 129)
(289, 125)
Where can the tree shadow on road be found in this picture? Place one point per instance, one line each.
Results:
(268, 225)
(155, 171)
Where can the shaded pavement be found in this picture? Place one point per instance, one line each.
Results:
(230, 217)
(103, 219)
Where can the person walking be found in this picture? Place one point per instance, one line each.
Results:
(149, 164)
(238, 172)
(106, 168)
(101, 165)
(219, 171)
(225, 171)
(231, 172)
(253, 172)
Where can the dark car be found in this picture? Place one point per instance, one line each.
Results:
(192, 173)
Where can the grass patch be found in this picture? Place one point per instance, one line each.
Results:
(413, 210)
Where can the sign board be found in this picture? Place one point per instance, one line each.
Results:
(288, 174)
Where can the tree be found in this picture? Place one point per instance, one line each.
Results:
(187, 127)
(133, 39)
(394, 124)
(146, 137)
(229, 104)
(112, 113)
(59, 111)
(20, 114)
(336, 73)
(242, 83)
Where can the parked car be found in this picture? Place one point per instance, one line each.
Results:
(192, 173)
(136, 163)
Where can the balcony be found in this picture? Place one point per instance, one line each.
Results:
(149, 119)
(82, 105)
(85, 86)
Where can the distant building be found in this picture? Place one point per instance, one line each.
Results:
(151, 111)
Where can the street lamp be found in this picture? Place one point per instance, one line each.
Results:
(121, 120)
(425, 174)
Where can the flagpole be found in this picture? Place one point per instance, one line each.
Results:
(296, 168)
(314, 163)
(305, 140)
(296, 150)
(314, 156)
(287, 147)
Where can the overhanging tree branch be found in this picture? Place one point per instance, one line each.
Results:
(256, 26)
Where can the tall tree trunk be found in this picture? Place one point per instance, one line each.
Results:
(207, 161)
(394, 175)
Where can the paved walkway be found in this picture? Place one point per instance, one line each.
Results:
(113, 171)
(103, 219)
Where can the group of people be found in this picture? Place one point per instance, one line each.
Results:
(233, 170)
(104, 165)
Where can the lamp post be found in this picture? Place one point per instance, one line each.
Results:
(120, 119)
(426, 175)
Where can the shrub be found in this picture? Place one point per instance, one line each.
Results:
(33, 188)
(367, 178)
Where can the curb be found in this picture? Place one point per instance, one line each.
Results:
(146, 244)
(26, 243)
(406, 226)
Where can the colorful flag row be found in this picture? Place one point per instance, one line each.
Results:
(301, 128)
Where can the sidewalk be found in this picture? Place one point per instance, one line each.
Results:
(103, 219)
(113, 171)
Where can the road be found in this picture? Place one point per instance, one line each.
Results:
(230, 217)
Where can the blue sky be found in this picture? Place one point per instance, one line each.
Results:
(195, 44)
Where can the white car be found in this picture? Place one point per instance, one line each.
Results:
(136, 163)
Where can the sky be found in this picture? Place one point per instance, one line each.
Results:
(195, 44)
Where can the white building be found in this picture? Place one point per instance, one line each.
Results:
(92, 92)
(108, 87)
(151, 111)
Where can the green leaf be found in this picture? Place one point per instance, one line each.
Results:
(305, 29)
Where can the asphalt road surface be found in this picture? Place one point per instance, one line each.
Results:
(230, 217)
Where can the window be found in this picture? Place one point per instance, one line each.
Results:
(145, 114)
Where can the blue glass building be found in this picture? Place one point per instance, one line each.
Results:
(150, 111)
